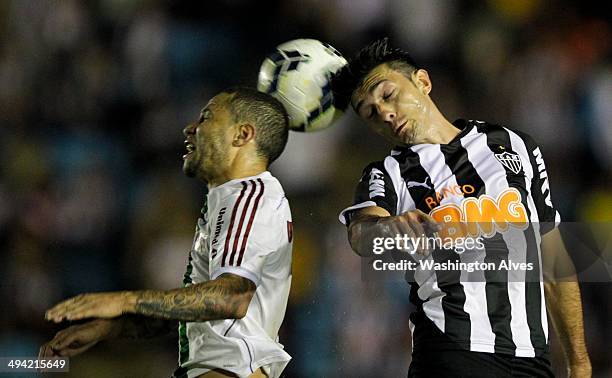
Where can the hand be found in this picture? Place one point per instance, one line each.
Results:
(415, 224)
(77, 339)
(580, 369)
(98, 305)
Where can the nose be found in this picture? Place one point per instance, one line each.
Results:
(387, 114)
(189, 129)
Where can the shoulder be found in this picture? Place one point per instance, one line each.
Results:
(273, 204)
(488, 127)
(526, 138)
(379, 166)
(493, 129)
(375, 165)
(271, 184)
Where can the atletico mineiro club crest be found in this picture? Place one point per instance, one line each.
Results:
(510, 160)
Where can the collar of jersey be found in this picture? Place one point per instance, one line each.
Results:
(235, 181)
(464, 125)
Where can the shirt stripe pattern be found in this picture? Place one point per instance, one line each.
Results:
(455, 319)
(495, 311)
(237, 237)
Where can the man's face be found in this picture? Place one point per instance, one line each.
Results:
(392, 105)
(209, 139)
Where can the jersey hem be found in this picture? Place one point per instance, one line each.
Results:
(273, 372)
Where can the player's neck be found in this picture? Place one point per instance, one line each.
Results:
(440, 130)
(445, 133)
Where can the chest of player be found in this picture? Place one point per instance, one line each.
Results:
(464, 182)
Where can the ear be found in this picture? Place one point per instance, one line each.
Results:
(422, 81)
(244, 133)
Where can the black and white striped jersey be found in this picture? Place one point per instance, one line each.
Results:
(486, 172)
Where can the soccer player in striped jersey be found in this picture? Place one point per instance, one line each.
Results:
(239, 269)
(485, 177)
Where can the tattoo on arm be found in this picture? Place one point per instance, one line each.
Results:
(226, 297)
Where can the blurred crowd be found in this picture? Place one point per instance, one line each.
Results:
(93, 98)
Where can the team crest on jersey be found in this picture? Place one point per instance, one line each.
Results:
(510, 160)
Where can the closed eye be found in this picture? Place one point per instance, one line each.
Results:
(372, 112)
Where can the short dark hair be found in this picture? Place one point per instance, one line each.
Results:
(266, 114)
(351, 76)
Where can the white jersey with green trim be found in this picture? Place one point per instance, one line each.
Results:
(245, 229)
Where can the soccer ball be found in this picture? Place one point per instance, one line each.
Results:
(298, 74)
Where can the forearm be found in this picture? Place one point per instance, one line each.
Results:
(361, 231)
(375, 222)
(227, 297)
(563, 297)
(565, 309)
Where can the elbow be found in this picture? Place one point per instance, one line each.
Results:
(353, 238)
(241, 309)
(353, 245)
(239, 314)
(230, 310)
(241, 304)
(235, 304)
(355, 249)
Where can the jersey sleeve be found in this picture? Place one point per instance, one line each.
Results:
(375, 188)
(257, 228)
(548, 216)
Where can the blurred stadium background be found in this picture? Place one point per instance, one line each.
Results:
(93, 98)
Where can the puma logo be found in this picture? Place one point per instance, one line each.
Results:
(412, 184)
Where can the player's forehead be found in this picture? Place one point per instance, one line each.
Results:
(370, 82)
(218, 104)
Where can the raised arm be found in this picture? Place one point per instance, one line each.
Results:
(226, 297)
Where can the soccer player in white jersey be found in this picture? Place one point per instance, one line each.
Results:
(439, 172)
(239, 268)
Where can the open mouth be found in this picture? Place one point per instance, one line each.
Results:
(189, 147)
